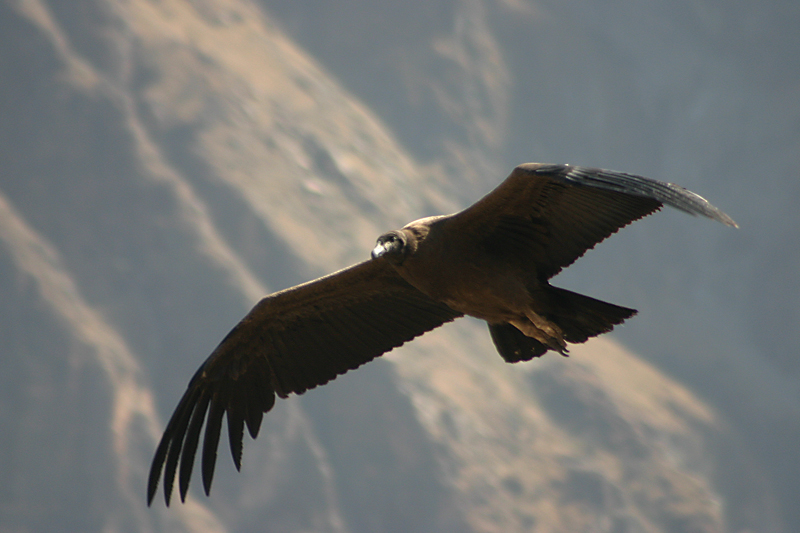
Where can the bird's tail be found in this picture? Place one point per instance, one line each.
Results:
(582, 317)
(578, 318)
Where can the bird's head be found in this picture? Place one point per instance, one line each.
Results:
(393, 245)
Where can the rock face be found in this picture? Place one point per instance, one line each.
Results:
(165, 164)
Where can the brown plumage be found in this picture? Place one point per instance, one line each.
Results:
(491, 261)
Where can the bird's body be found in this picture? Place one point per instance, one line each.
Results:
(492, 261)
(448, 271)
(471, 283)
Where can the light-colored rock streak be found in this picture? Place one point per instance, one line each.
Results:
(131, 400)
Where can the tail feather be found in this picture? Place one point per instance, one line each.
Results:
(582, 317)
(578, 317)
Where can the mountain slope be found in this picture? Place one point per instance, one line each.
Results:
(164, 165)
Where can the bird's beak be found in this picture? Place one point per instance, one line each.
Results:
(378, 251)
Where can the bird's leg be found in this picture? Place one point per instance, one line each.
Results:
(546, 332)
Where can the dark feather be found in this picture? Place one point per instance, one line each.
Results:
(235, 433)
(190, 442)
(211, 441)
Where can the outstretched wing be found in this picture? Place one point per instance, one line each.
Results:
(547, 216)
(291, 341)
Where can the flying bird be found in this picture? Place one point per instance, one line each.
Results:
(491, 261)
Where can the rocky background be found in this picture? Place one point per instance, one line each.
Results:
(164, 163)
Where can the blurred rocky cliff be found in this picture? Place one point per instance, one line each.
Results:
(163, 164)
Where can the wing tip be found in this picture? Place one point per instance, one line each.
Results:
(725, 219)
(667, 193)
(201, 411)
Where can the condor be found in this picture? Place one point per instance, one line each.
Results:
(491, 261)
